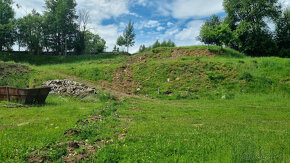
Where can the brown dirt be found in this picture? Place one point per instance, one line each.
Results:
(123, 80)
(74, 156)
(180, 52)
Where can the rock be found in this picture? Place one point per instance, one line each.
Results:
(167, 92)
(67, 87)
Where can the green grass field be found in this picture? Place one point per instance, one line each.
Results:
(218, 107)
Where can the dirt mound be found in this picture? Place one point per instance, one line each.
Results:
(14, 75)
(9, 69)
(123, 78)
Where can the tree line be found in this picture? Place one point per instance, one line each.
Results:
(245, 28)
(59, 30)
(157, 44)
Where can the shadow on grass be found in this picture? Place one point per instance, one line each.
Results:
(38, 60)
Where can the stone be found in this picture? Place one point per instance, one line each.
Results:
(67, 87)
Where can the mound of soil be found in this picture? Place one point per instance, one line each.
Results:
(14, 75)
(8, 69)
(123, 78)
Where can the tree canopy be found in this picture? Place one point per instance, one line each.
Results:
(128, 37)
(6, 25)
(246, 28)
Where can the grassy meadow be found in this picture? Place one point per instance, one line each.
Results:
(193, 104)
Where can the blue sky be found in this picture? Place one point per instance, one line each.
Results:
(179, 20)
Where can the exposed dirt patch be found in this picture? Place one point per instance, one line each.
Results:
(123, 80)
(78, 150)
(36, 158)
(180, 52)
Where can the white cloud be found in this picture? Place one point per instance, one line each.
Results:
(169, 24)
(151, 24)
(109, 32)
(183, 9)
(105, 9)
(25, 7)
(160, 28)
(154, 24)
(187, 36)
(99, 10)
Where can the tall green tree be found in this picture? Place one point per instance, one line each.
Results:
(128, 37)
(207, 34)
(170, 43)
(156, 44)
(6, 25)
(61, 31)
(256, 39)
(142, 48)
(283, 34)
(215, 31)
(94, 43)
(30, 33)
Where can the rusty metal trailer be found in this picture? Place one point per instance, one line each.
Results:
(26, 96)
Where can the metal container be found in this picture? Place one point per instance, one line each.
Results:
(26, 96)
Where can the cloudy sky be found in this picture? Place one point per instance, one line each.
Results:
(179, 20)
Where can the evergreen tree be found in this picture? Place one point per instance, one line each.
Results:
(142, 48)
(170, 43)
(164, 44)
(156, 44)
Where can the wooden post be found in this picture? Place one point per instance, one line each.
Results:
(7, 92)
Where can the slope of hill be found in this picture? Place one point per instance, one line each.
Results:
(186, 73)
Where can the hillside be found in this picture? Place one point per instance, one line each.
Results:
(14, 75)
(186, 73)
(186, 104)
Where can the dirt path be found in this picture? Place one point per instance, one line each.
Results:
(118, 94)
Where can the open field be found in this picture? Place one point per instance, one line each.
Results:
(185, 104)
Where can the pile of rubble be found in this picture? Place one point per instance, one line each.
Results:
(70, 88)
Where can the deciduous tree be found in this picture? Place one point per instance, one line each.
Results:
(6, 25)
(128, 37)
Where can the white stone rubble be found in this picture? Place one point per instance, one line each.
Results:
(70, 88)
